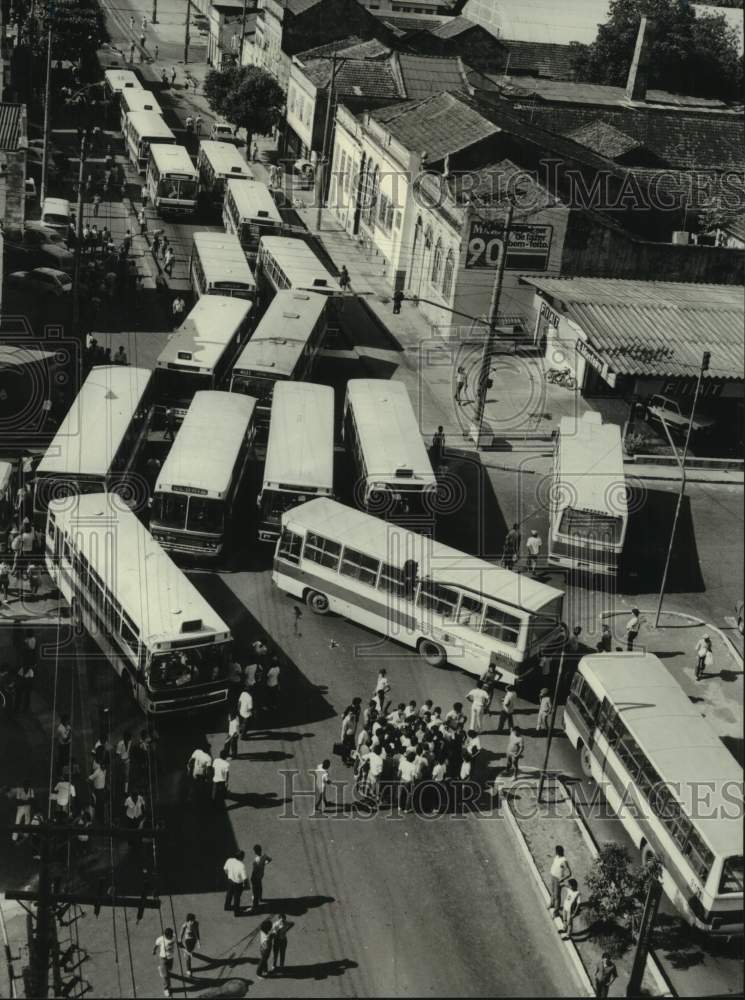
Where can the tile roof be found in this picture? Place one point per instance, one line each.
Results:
(356, 77)
(690, 189)
(490, 183)
(604, 139)
(425, 75)
(299, 6)
(402, 25)
(10, 125)
(439, 125)
(328, 48)
(456, 26)
(543, 59)
(735, 226)
(656, 327)
(572, 92)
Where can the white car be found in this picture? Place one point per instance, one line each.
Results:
(45, 280)
(661, 408)
(222, 132)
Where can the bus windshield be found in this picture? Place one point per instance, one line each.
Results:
(275, 502)
(205, 514)
(170, 509)
(196, 665)
(171, 187)
(254, 385)
(178, 386)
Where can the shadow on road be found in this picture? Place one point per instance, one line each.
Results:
(642, 563)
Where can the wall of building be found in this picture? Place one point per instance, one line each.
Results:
(301, 108)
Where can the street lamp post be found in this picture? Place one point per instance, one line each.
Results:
(705, 360)
(47, 103)
(186, 33)
(554, 708)
(85, 135)
(154, 18)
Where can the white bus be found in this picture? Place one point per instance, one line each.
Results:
(144, 129)
(300, 452)
(250, 212)
(161, 636)
(219, 267)
(172, 180)
(116, 81)
(664, 771)
(588, 504)
(381, 432)
(283, 347)
(198, 485)
(137, 99)
(217, 162)
(287, 263)
(99, 440)
(449, 606)
(199, 354)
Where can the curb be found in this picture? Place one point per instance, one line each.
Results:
(689, 478)
(569, 946)
(730, 646)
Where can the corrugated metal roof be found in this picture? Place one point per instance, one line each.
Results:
(622, 291)
(454, 27)
(425, 75)
(10, 125)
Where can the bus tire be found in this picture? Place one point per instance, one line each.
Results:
(317, 602)
(585, 759)
(432, 652)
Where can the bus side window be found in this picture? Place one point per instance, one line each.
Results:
(732, 875)
(290, 545)
(322, 550)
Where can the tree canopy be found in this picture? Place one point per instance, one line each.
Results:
(77, 29)
(247, 97)
(688, 54)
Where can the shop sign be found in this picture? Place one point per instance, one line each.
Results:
(594, 359)
(528, 247)
(687, 387)
(551, 317)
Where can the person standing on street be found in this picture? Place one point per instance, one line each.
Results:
(544, 712)
(23, 796)
(96, 205)
(265, 948)
(344, 278)
(605, 975)
(173, 76)
(198, 125)
(703, 646)
(280, 927)
(489, 681)
(220, 779)
(398, 297)
(605, 643)
(272, 685)
(570, 909)
(245, 711)
(169, 261)
(515, 750)
(533, 545)
(188, 939)
(178, 308)
(508, 704)
(169, 433)
(511, 549)
(479, 699)
(198, 767)
(258, 867)
(297, 614)
(164, 948)
(321, 780)
(235, 873)
(461, 384)
(438, 447)
(234, 732)
(560, 872)
(142, 221)
(632, 629)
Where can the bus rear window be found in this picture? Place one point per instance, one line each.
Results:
(603, 529)
(732, 875)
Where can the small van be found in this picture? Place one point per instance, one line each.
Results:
(55, 214)
(222, 132)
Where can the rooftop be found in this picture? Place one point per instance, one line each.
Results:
(456, 26)
(542, 59)
(356, 77)
(604, 139)
(655, 327)
(600, 93)
(735, 226)
(11, 117)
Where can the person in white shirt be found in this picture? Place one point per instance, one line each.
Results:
(479, 699)
(570, 909)
(221, 773)
(64, 793)
(508, 705)
(235, 872)
(544, 711)
(199, 763)
(560, 872)
(374, 770)
(97, 781)
(398, 718)
(134, 808)
(24, 797)
(234, 732)
(245, 711)
(272, 685)
(165, 946)
(123, 749)
(704, 656)
(632, 629)
(533, 545)
(321, 780)
(407, 770)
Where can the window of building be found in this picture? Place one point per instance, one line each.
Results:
(437, 262)
(447, 274)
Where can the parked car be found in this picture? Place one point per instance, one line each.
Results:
(222, 132)
(30, 192)
(661, 408)
(42, 280)
(38, 247)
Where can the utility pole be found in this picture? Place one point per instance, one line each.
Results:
(321, 172)
(186, 32)
(154, 18)
(705, 361)
(85, 134)
(47, 103)
(478, 424)
(554, 708)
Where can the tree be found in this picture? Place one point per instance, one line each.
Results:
(616, 888)
(688, 54)
(77, 29)
(246, 96)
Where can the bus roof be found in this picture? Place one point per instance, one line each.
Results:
(205, 333)
(282, 333)
(299, 263)
(253, 200)
(121, 79)
(374, 536)
(677, 740)
(389, 430)
(173, 159)
(157, 596)
(225, 159)
(300, 449)
(150, 125)
(223, 258)
(104, 407)
(139, 99)
(202, 457)
(591, 455)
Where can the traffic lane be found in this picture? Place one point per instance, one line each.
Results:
(420, 906)
(694, 964)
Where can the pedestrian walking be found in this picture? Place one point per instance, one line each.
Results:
(255, 153)
(533, 545)
(515, 750)
(271, 682)
(265, 948)
(164, 77)
(235, 873)
(398, 297)
(142, 39)
(164, 949)
(570, 909)
(605, 643)
(280, 927)
(156, 50)
(134, 811)
(258, 868)
(97, 782)
(344, 280)
(220, 779)
(24, 687)
(142, 221)
(144, 24)
(169, 432)
(705, 664)
(132, 52)
(701, 649)
(188, 939)
(245, 711)
(479, 699)
(178, 308)
(96, 205)
(144, 195)
(234, 732)
(560, 872)
(131, 23)
(632, 629)
(64, 795)
(347, 735)
(33, 576)
(508, 705)
(198, 768)
(24, 797)
(126, 244)
(173, 76)
(189, 125)
(297, 615)
(123, 753)
(169, 261)
(461, 384)
(321, 781)
(198, 125)
(155, 243)
(544, 711)
(605, 975)
(511, 548)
